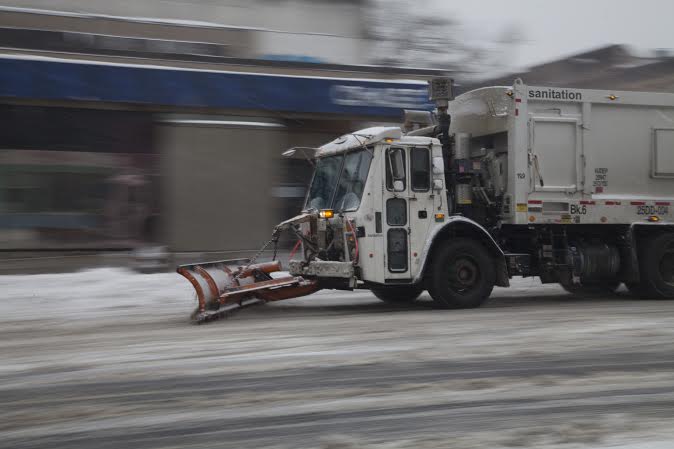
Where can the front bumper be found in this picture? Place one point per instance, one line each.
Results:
(322, 269)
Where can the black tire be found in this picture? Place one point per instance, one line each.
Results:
(592, 288)
(398, 294)
(462, 275)
(656, 268)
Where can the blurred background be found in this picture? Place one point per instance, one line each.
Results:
(150, 132)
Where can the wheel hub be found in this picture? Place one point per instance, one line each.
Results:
(464, 274)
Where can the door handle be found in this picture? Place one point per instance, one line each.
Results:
(423, 214)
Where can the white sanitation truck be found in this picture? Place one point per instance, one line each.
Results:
(573, 186)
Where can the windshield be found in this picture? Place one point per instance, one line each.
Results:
(352, 181)
(345, 174)
(324, 182)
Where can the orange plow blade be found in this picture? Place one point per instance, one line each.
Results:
(227, 285)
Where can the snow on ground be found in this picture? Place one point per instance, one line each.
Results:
(108, 358)
(103, 292)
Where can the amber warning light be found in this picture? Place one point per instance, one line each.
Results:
(326, 213)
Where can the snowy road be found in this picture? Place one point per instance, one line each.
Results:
(106, 359)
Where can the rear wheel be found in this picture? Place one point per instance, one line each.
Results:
(398, 294)
(656, 268)
(462, 275)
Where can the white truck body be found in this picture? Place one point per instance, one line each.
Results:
(604, 156)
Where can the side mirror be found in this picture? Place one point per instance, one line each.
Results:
(397, 157)
(396, 168)
(438, 184)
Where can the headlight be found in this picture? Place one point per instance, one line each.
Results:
(326, 213)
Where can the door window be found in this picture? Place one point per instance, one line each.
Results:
(396, 212)
(420, 169)
(397, 249)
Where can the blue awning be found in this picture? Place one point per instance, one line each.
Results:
(52, 79)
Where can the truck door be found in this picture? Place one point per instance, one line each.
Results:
(396, 223)
(555, 153)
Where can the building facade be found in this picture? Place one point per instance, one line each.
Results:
(113, 141)
(292, 30)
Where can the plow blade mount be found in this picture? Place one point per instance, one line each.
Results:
(227, 285)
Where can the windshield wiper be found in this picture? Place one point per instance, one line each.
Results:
(369, 150)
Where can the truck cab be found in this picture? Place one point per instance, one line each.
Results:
(382, 184)
(375, 205)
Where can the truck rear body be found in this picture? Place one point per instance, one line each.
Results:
(579, 156)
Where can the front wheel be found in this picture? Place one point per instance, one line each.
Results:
(398, 294)
(462, 276)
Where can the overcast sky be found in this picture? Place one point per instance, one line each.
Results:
(558, 28)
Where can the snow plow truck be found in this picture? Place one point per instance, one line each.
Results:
(572, 186)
